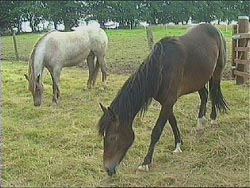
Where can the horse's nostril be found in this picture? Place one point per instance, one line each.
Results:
(106, 169)
(110, 172)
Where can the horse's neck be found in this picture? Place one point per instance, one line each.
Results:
(38, 61)
(138, 91)
(135, 95)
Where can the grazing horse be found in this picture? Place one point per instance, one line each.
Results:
(175, 67)
(56, 50)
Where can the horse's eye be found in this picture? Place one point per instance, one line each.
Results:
(113, 138)
(38, 89)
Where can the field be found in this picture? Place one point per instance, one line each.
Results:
(59, 146)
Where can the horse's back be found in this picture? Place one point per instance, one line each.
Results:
(64, 49)
(202, 49)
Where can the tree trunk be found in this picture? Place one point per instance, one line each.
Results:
(55, 24)
(67, 25)
(131, 25)
(19, 25)
(32, 23)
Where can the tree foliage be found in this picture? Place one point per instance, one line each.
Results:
(127, 13)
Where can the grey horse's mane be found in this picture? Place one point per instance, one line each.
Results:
(31, 73)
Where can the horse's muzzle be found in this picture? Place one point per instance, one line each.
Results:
(37, 104)
(111, 171)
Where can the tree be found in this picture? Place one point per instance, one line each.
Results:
(99, 10)
(66, 12)
(11, 15)
(181, 11)
(245, 8)
(33, 11)
(125, 12)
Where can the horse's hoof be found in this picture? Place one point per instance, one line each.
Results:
(55, 103)
(199, 132)
(214, 122)
(201, 122)
(178, 148)
(143, 168)
(105, 86)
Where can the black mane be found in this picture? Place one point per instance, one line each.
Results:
(137, 92)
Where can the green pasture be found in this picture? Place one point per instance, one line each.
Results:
(127, 48)
(59, 146)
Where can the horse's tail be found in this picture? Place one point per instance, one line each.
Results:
(214, 83)
(216, 96)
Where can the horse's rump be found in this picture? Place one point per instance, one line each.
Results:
(204, 50)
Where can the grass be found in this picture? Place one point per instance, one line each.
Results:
(126, 51)
(59, 146)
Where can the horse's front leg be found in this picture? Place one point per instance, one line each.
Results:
(56, 94)
(155, 136)
(56, 89)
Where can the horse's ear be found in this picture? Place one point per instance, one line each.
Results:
(112, 114)
(108, 111)
(38, 78)
(104, 109)
(26, 76)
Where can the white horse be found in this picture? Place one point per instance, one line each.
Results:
(56, 50)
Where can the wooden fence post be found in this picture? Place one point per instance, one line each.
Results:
(150, 38)
(15, 45)
(243, 28)
(234, 54)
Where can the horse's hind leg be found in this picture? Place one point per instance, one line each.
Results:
(96, 70)
(202, 121)
(91, 66)
(102, 63)
(213, 115)
(176, 131)
(217, 99)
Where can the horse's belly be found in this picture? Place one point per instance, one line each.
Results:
(187, 87)
(75, 60)
(195, 80)
(74, 56)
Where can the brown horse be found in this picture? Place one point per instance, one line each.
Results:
(176, 66)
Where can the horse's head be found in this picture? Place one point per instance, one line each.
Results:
(117, 139)
(36, 89)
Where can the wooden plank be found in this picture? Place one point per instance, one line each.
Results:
(242, 74)
(234, 44)
(243, 62)
(242, 49)
(241, 36)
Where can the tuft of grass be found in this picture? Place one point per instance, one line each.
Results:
(59, 146)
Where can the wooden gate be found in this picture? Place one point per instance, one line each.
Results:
(241, 51)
